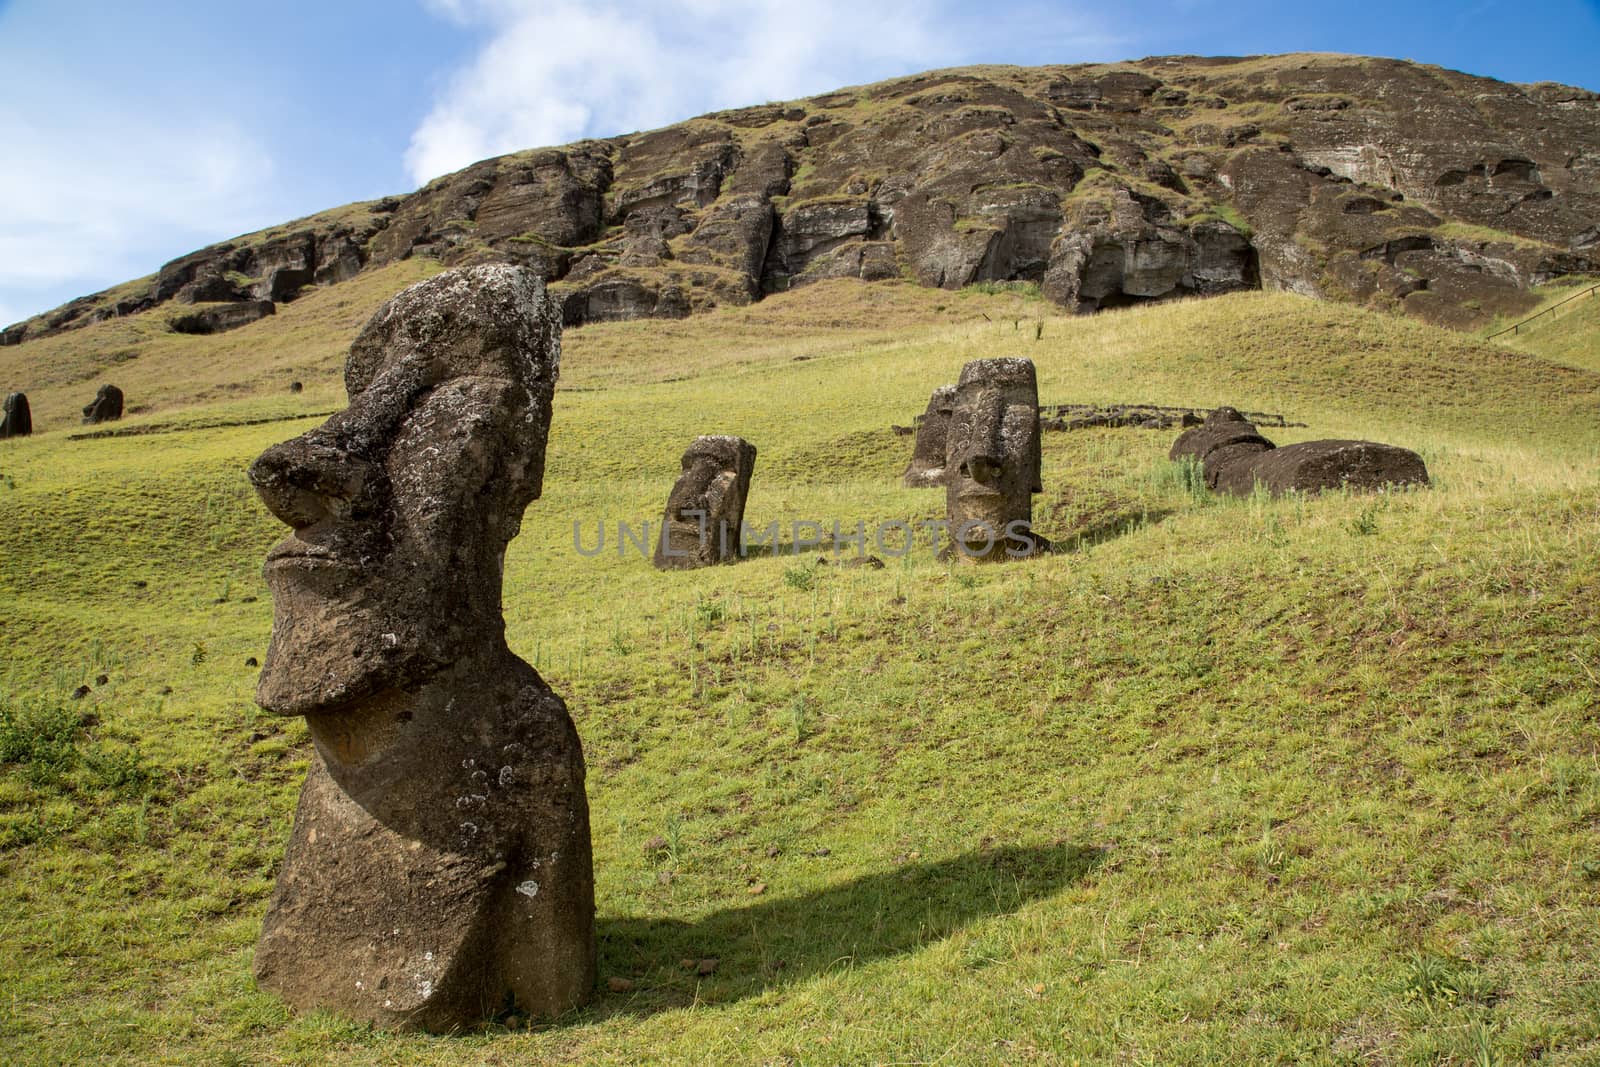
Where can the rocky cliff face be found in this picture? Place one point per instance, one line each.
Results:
(1433, 192)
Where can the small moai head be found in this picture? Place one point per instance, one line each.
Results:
(992, 455)
(105, 407)
(18, 419)
(704, 518)
(402, 505)
(926, 470)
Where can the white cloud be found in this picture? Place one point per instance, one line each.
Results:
(95, 191)
(554, 71)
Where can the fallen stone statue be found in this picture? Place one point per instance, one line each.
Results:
(926, 469)
(439, 870)
(1235, 458)
(704, 520)
(18, 419)
(105, 407)
(992, 462)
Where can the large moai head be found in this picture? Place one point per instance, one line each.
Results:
(402, 505)
(704, 519)
(440, 867)
(105, 407)
(992, 458)
(18, 418)
(926, 469)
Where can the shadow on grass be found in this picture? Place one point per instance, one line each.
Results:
(1111, 527)
(791, 939)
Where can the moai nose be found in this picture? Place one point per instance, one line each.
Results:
(306, 481)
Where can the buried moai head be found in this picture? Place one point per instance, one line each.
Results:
(926, 470)
(992, 459)
(105, 407)
(402, 505)
(18, 419)
(704, 519)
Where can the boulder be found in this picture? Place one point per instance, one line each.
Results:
(219, 318)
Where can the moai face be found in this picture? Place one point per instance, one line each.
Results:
(704, 517)
(402, 505)
(992, 456)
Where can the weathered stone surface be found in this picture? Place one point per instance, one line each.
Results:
(926, 469)
(1223, 438)
(993, 461)
(219, 318)
(18, 418)
(704, 520)
(1313, 466)
(439, 870)
(1235, 459)
(1386, 183)
(105, 407)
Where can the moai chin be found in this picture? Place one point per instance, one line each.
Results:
(992, 462)
(704, 520)
(926, 469)
(18, 418)
(439, 870)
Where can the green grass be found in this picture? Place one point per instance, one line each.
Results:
(1225, 781)
(1569, 335)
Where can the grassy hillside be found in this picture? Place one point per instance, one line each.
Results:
(1224, 781)
(1570, 333)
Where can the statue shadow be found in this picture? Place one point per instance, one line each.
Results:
(1109, 528)
(790, 939)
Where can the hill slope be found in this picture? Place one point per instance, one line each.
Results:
(1360, 179)
(1227, 781)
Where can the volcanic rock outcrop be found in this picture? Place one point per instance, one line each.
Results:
(926, 469)
(1235, 459)
(439, 869)
(18, 418)
(1378, 181)
(704, 520)
(992, 461)
(105, 407)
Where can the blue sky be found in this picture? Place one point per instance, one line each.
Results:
(132, 131)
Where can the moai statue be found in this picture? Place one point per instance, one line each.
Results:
(926, 469)
(992, 462)
(1235, 459)
(18, 420)
(439, 870)
(105, 407)
(704, 520)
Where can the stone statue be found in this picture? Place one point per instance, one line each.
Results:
(926, 469)
(992, 461)
(1235, 458)
(18, 420)
(105, 407)
(439, 870)
(704, 520)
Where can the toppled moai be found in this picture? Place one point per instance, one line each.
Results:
(18, 418)
(926, 469)
(704, 520)
(439, 870)
(992, 462)
(105, 407)
(1235, 458)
